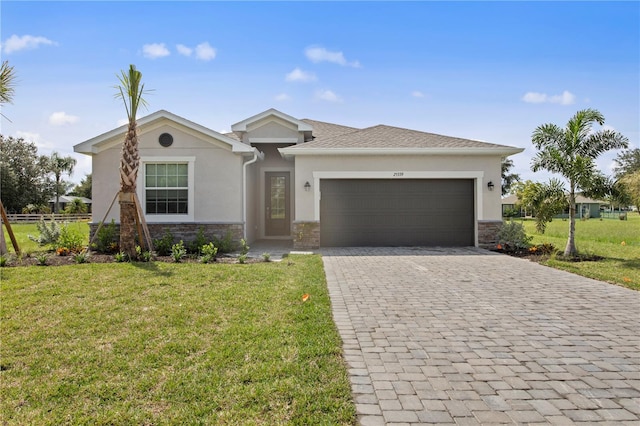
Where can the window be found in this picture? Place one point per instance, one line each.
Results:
(167, 188)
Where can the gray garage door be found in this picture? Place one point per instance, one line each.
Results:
(406, 212)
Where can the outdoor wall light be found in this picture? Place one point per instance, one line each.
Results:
(307, 186)
(490, 186)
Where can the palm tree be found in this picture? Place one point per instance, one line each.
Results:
(59, 165)
(7, 84)
(130, 91)
(571, 152)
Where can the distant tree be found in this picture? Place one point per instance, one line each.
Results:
(543, 200)
(58, 166)
(627, 161)
(76, 206)
(631, 187)
(23, 174)
(508, 179)
(83, 189)
(571, 152)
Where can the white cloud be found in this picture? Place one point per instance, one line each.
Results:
(26, 42)
(298, 75)
(61, 118)
(184, 50)
(29, 136)
(205, 52)
(319, 54)
(155, 50)
(417, 94)
(328, 95)
(282, 97)
(566, 98)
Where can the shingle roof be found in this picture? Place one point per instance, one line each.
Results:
(324, 130)
(382, 136)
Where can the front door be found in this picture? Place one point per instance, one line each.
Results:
(277, 220)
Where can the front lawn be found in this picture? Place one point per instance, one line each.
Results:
(160, 343)
(617, 241)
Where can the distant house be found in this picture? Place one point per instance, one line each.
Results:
(585, 207)
(66, 199)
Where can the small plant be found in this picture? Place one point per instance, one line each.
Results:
(49, 233)
(106, 239)
(63, 251)
(512, 237)
(144, 256)
(242, 258)
(165, 244)
(178, 251)
(3, 261)
(225, 245)
(70, 239)
(209, 252)
(42, 259)
(196, 245)
(120, 257)
(81, 257)
(244, 248)
(266, 257)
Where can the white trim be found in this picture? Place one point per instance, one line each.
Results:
(302, 150)
(189, 217)
(301, 126)
(478, 177)
(273, 140)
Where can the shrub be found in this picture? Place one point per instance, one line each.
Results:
(81, 257)
(178, 251)
(244, 248)
(209, 252)
(225, 245)
(163, 245)
(144, 256)
(242, 258)
(120, 257)
(49, 233)
(196, 245)
(3, 261)
(106, 239)
(512, 236)
(42, 259)
(266, 257)
(70, 239)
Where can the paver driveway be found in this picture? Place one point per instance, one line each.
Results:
(466, 336)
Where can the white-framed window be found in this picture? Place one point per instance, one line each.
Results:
(166, 188)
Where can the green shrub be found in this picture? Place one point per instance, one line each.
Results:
(209, 252)
(244, 248)
(70, 239)
(512, 236)
(42, 259)
(3, 261)
(178, 251)
(242, 258)
(120, 257)
(266, 257)
(49, 233)
(225, 244)
(143, 256)
(80, 257)
(163, 245)
(105, 241)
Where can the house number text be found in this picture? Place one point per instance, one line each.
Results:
(398, 174)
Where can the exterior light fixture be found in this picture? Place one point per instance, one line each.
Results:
(490, 186)
(307, 186)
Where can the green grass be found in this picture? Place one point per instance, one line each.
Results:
(621, 263)
(22, 231)
(168, 343)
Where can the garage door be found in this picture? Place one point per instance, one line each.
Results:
(406, 212)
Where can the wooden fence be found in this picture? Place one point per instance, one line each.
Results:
(31, 218)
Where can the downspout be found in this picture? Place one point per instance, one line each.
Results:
(256, 154)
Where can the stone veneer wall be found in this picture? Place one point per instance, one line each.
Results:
(488, 233)
(306, 235)
(186, 231)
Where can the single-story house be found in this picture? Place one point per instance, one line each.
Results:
(66, 199)
(316, 183)
(585, 207)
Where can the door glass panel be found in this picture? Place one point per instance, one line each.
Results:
(278, 197)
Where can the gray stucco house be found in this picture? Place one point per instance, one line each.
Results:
(319, 184)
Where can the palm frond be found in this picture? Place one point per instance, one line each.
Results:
(7, 83)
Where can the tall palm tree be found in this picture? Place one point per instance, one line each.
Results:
(130, 91)
(7, 84)
(58, 166)
(571, 152)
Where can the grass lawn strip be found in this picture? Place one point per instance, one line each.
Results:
(616, 240)
(171, 344)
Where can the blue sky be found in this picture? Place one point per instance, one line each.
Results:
(490, 71)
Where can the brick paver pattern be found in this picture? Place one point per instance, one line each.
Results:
(466, 336)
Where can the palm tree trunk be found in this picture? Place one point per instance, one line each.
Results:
(570, 249)
(129, 164)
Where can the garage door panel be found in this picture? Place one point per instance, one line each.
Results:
(376, 212)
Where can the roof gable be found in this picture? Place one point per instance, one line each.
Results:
(115, 136)
(299, 125)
